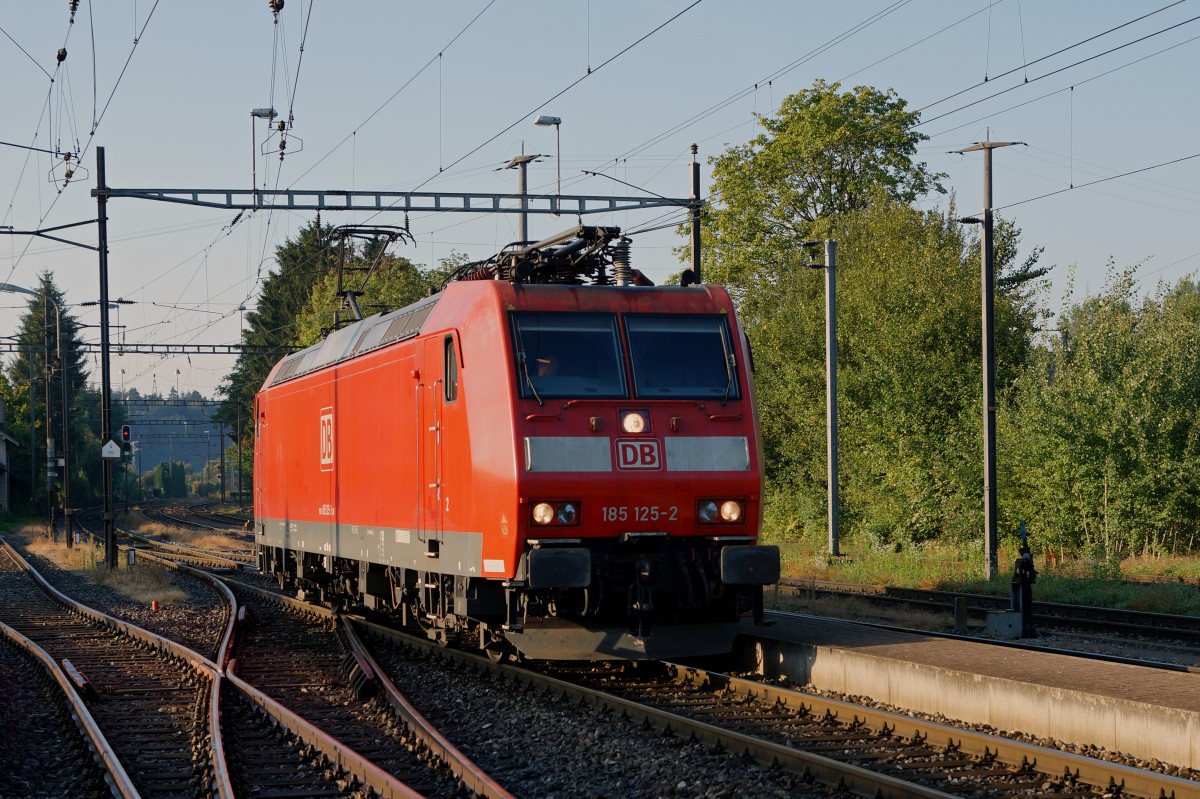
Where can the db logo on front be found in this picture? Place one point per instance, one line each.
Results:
(638, 453)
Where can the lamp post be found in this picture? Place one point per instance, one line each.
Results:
(11, 289)
(241, 324)
(207, 456)
(257, 113)
(545, 122)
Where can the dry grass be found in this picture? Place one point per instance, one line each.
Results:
(201, 539)
(145, 582)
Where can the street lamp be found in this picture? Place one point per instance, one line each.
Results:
(545, 122)
(12, 289)
(241, 324)
(257, 113)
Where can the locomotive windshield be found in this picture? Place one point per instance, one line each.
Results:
(686, 357)
(568, 355)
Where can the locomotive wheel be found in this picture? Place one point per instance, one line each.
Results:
(501, 652)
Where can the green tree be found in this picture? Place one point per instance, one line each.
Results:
(908, 373)
(1105, 437)
(50, 350)
(825, 154)
(841, 165)
(393, 283)
(271, 328)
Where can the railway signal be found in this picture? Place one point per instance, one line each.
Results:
(126, 442)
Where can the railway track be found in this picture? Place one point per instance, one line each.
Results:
(147, 696)
(1045, 614)
(304, 660)
(236, 521)
(328, 686)
(830, 742)
(53, 755)
(272, 750)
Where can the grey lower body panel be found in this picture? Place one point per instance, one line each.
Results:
(456, 552)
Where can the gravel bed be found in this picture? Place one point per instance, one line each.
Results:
(540, 746)
(48, 758)
(197, 621)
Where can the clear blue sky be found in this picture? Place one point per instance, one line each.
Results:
(376, 108)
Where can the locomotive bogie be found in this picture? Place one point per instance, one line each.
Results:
(573, 472)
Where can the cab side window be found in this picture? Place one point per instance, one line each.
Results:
(450, 371)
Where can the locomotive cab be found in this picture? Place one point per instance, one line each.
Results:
(640, 472)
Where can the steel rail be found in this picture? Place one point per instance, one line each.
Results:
(474, 778)
(820, 769)
(115, 774)
(221, 776)
(342, 756)
(196, 660)
(184, 549)
(126, 627)
(1051, 762)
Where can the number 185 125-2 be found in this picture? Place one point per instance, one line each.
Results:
(639, 513)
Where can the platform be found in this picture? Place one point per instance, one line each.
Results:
(1139, 710)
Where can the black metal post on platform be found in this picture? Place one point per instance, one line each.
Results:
(110, 544)
(694, 212)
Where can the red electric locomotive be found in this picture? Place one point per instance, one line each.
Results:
(551, 456)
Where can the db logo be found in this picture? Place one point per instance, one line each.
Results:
(326, 438)
(638, 453)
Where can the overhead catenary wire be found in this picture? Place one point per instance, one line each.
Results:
(1080, 62)
(440, 159)
(396, 93)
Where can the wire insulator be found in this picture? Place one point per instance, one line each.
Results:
(275, 5)
(622, 273)
(62, 54)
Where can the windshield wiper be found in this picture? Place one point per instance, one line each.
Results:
(728, 376)
(523, 361)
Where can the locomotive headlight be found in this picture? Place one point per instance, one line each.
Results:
(635, 421)
(719, 511)
(543, 513)
(566, 513)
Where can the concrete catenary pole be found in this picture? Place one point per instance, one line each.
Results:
(988, 291)
(831, 412)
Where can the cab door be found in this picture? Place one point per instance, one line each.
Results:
(430, 391)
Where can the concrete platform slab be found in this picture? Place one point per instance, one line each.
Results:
(1142, 711)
